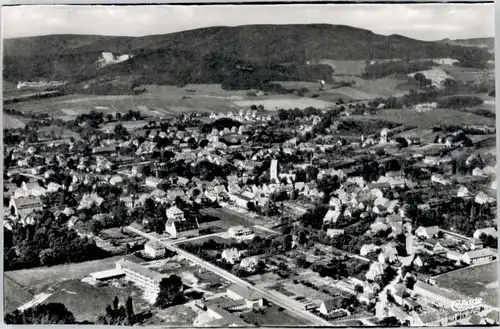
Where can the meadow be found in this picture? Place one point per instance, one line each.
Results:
(426, 119)
(474, 281)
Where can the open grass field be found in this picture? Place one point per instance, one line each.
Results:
(175, 316)
(345, 67)
(289, 102)
(468, 74)
(15, 295)
(426, 119)
(272, 316)
(158, 100)
(71, 293)
(474, 281)
(35, 279)
(11, 122)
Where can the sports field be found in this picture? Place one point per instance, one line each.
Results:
(474, 281)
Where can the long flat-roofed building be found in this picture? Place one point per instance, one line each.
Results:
(146, 279)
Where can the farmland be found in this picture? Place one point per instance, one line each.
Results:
(15, 295)
(434, 117)
(286, 103)
(11, 122)
(474, 281)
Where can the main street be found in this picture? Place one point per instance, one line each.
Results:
(315, 320)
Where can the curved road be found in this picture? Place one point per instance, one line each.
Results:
(316, 320)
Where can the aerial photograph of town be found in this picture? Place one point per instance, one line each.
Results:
(250, 165)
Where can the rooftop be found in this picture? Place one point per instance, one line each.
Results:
(244, 292)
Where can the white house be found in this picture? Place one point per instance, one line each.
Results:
(240, 232)
(376, 269)
(479, 256)
(439, 179)
(488, 231)
(477, 172)
(154, 249)
(462, 192)
(331, 216)
(427, 232)
(250, 263)
(231, 255)
(153, 182)
(175, 213)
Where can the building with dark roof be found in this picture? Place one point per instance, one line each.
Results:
(182, 228)
(24, 206)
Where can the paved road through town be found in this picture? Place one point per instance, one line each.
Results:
(316, 320)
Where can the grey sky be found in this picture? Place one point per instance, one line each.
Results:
(420, 21)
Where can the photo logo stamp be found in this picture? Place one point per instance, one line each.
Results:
(466, 304)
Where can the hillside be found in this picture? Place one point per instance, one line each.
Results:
(211, 54)
(487, 43)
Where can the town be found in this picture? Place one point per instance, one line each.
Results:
(261, 217)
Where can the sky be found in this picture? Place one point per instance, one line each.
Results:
(419, 21)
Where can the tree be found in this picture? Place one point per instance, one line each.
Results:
(129, 306)
(109, 117)
(120, 132)
(116, 302)
(390, 321)
(359, 289)
(51, 313)
(170, 292)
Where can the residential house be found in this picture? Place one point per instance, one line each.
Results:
(331, 306)
(231, 255)
(439, 179)
(483, 198)
(462, 192)
(368, 248)
(251, 298)
(454, 256)
(23, 206)
(480, 256)
(175, 213)
(478, 172)
(153, 182)
(240, 232)
(376, 269)
(331, 216)
(29, 189)
(398, 291)
(250, 263)
(334, 232)
(475, 244)
(388, 255)
(154, 249)
(427, 232)
(488, 231)
(182, 227)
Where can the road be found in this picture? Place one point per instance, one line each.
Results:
(316, 320)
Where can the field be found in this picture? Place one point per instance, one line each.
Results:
(11, 122)
(474, 281)
(345, 67)
(71, 293)
(272, 316)
(286, 103)
(179, 315)
(35, 279)
(15, 295)
(426, 119)
(468, 74)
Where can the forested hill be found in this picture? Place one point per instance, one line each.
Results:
(202, 54)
